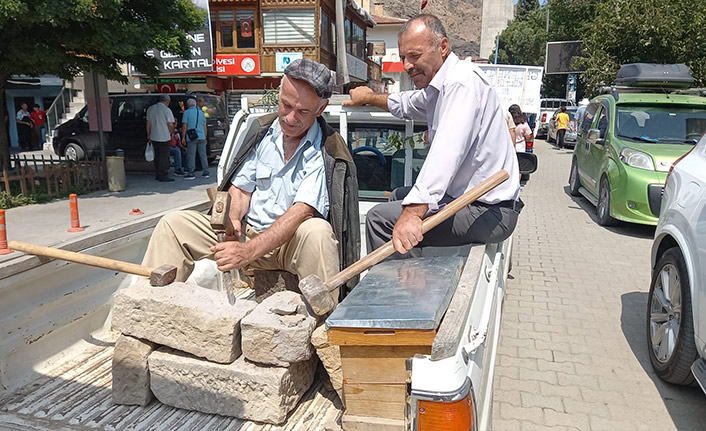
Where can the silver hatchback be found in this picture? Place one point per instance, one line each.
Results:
(676, 307)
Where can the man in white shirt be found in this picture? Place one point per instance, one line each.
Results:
(160, 129)
(470, 142)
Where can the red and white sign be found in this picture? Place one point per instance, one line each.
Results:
(392, 66)
(237, 64)
(166, 88)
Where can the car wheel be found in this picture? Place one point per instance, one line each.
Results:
(603, 208)
(670, 325)
(574, 181)
(74, 152)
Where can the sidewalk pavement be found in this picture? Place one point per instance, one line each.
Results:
(47, 223)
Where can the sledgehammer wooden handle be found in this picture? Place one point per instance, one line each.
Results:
(429, 223)
(161, 276)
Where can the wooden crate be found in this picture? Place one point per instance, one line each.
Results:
(375, 374)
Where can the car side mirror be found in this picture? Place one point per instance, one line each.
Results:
(527, 163)
(594, 137)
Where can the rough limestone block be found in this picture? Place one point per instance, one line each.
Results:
(278, 331)
(267, 283)
(241, 389)
(330, 356)
(182, 316)
(131, 376)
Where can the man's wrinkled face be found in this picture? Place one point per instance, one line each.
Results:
(299, 105)
(420, 55)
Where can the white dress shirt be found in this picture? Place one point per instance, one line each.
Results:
(469, 137)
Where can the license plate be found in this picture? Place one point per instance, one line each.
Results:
(218, 133)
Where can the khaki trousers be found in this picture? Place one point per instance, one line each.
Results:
(183, 237)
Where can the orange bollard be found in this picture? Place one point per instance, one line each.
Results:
(3, 234)
(75, 224)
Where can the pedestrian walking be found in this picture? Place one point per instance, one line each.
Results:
(160, 129)
(193, 132)
(562, 122)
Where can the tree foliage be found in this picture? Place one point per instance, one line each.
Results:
(648, 31)
(614, 32)
(524, 8)
(66, 37)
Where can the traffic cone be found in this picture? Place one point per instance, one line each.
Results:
(3, 234)
(75, 224)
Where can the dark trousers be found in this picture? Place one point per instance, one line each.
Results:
(560, 137)
(478, 222)
(161, 159)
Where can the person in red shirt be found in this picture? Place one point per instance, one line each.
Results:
(39, 118)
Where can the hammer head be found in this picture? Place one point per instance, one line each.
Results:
(220, 216)
(316, 294)
(163, 275)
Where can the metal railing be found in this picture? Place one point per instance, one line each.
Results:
(58, 108)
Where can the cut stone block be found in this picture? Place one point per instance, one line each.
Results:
(131, 375)
(274, 339)
(267, 283)
(241, 389)
(182, 316)
(330, 356)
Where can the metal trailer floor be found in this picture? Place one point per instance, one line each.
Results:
(76, 396)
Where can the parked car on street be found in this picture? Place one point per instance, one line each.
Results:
(547, 107)
(630, 136)
(74, 140)
(676, 307)
(570, 135)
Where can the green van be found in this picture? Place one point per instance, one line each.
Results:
(629, 138)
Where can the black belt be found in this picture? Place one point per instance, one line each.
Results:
(515, 205)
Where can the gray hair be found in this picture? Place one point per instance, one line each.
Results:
(163, 98)
(190, 102)
(431, 22)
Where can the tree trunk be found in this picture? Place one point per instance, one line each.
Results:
(4, 131)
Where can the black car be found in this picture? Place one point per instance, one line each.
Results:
(129, 133)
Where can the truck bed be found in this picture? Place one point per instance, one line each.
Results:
(76, 396)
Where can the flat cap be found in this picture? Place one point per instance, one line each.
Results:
(315, 74)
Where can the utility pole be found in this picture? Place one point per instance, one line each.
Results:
(497, 46)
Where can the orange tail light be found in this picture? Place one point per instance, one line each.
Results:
(445, 416)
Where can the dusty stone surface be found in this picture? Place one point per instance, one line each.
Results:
(241, 389)
(274, 339)
(183, 316)
(131, 375)
(330, 356)
(317, 295)
(267, 283)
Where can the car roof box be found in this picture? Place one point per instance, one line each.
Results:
(654, 75)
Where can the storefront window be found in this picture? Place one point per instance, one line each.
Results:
(235, 29)
(325, 30)
(289, 26)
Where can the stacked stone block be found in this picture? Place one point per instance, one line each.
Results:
(200, 366)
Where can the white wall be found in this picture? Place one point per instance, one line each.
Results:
(387, 34)
(496, 14)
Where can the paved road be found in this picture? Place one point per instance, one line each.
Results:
(572, 351)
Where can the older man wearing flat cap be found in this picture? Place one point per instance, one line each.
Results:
(293, 194)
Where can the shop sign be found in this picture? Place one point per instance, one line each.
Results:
(282, 59)
(237, 64)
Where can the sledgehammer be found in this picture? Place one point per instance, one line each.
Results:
(160, 276)
(318, 293)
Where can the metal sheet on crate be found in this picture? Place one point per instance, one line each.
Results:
(401, 294)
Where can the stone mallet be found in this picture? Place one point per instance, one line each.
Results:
(160, 276)
(318, 293)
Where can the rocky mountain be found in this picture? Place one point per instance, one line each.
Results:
(461, 18)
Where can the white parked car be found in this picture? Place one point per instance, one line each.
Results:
(676, 317)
